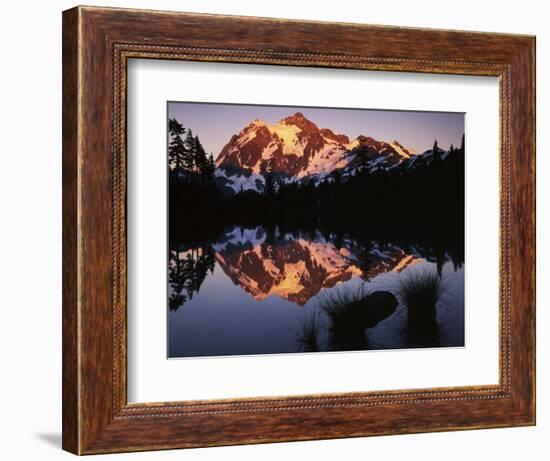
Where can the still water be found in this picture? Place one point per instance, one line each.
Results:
(263, 291)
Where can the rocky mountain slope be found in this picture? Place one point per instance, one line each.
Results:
(295, 149)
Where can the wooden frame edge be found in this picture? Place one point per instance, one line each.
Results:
(70, 350)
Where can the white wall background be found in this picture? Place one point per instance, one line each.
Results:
(30, 243)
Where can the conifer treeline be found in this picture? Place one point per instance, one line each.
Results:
(187, 159)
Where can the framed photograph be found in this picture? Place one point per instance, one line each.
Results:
(280, 230)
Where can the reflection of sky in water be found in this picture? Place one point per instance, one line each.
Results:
(224, 319)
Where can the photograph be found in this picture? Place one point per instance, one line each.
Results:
(313, 229)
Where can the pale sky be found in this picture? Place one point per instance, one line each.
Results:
(216, 123)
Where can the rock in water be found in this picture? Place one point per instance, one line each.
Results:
(372, 309)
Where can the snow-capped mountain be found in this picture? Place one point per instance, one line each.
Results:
(295, 149)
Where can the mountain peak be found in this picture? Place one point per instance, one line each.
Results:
(297, 119)
(329, 134)
(404, 152)
(296, 148)
(257, 122)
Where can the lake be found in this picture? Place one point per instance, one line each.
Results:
(258, 290)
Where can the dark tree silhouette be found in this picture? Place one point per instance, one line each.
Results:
(191, 147)
(337, 178)
(176, 147)
(200, 160)
(187, 158)
(211, 168)
(269, 184)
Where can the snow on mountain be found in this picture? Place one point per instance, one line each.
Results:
(331, 157)
(404, 152)
(373, 155)
(426, 158)
(240, 181)
(285, 147)
(295, 149)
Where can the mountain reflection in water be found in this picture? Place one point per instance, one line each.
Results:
(257, 291)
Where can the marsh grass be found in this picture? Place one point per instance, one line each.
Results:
(308, 332)
(351, 312)
(420, 292)
(338, 304)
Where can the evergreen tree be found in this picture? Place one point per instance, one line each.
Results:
(462, 143)
(435, 147)
(200, 160)
(269, 184)
(279, 186)
(452, 148)
(176, 147)
(337, 177)
(211, 168)
(190, 146)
